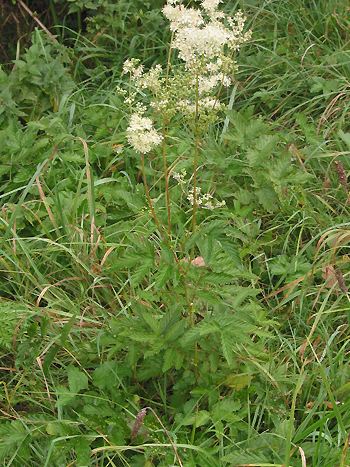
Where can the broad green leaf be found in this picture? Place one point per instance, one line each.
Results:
(77, 379)
(238, 381)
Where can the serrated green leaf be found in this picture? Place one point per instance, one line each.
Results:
(238, 381)
(77, 379)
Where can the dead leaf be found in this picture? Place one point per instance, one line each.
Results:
(198, 262)
(329, 275)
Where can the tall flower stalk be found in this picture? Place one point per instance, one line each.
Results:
(206, 41)
(195, 157)
(166, 175)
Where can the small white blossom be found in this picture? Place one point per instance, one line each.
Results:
(237, 36)
(151, 79)
(225, 80)
(121, 91)
(210, 5)
(194, 43)
(180, 176)
(205, 200)
(205, 104)
(207, 83)
(181, 17)
(141, 134)
(213, 67)
(190, 196)
(133, 67)
(160, 106)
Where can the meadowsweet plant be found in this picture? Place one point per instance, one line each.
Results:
(201, 63)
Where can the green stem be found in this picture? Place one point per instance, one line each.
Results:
(195, 159)
(166, 176)
(79, 21)
(53, 13)
(149, 199)
(162, 230)
(165, 125)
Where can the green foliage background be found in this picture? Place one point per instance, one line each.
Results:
(244, 361)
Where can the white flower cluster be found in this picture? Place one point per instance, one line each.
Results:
(151, 80)
(205, 104)
(206, 40)
(141, 135)
(180, 176)
(211, 5)
(133, 67)
(143, 80)
(203, 36)
(181, 17)
(204, 200)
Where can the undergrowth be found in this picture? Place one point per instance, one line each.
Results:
(127, 339)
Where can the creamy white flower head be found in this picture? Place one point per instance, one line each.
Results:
(213, 67)
(160, 105)
(151, 79)
(237, 36)
(203, 35)
(191, 196)
(181, 17)
(133, 67)
(141, 134)
(205, 200)
(225, 80)
(205, 105)
(210, 5)
(195, 43)
(207, 83)
(209, 103)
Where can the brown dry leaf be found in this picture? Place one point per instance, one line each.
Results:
(339, 238)
(341, 281)
(327, 183)
(329, 275)
(329, 405)
(198, 262)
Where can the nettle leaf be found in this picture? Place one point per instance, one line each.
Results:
(83, 451)
(12, 315)
(152, 321)
(105, 376)
(64, 396)
(245, 127)
(172, 359)
(259, 155)
(202, 417)
(174, 332)
(164, 274)
(224, 410)
(227, 344)
(143, 270)
(77, 379)
(12, 436)
(290, 268)
(268, 198)
(238, 381)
